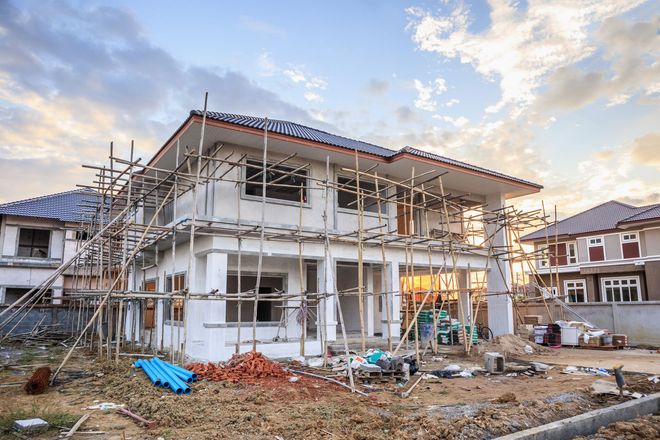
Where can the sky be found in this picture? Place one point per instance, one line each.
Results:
(563, 93)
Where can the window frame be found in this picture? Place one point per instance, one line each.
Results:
(30, 228)
(167, 308)
(624, 241)
(572, 244)
(383, 206)
(601, 245)
(584, 290)
(257, 198)
(637, 284)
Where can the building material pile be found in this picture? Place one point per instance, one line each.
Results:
(246, 368)
(39, 381)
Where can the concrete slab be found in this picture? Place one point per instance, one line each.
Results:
(588, 423)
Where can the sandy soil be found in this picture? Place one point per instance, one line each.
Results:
(641, 428)
(466, 408)
(641, 361)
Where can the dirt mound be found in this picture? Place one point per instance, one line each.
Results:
(641, 428)
(512, 345)
(245, 368)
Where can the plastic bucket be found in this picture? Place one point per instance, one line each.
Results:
(426, 331)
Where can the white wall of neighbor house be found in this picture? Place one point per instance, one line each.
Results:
(27, 272)
(651, 239)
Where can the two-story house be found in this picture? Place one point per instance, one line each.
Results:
(36, 236)
(232, 200)
(609, 253)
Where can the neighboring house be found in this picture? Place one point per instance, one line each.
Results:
(36, 236)
(609, 253)
(223, 205)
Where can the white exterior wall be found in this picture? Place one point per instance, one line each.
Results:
(24, 272)
(210, 337)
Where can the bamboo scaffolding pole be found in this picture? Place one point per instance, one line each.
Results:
(261, 238)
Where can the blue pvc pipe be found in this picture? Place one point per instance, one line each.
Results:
(181, 371)
(185, 375)
(148, 367)
(176, 384)
(149, 372)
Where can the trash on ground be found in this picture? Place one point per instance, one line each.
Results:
(30, 424)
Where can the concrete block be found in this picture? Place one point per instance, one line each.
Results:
(30, 424)
(588, 423)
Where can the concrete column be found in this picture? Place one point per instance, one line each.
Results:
(393, 301)
(326, 273)
(464, 297)
(213, 333)
(369, 300)
(500, 307)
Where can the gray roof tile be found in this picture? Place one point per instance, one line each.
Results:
(312, 134)
(65, 206)
(604, 217)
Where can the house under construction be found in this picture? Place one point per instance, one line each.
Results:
(243, 233)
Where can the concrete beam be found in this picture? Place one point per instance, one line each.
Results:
(588, 423)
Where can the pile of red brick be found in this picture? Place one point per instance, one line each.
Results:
(246, 368)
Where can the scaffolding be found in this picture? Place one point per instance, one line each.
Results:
(126, 230)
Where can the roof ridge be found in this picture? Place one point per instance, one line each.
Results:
(201, 112)
(32, 199)
(648, 208)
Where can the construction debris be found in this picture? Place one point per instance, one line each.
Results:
(39, 381)
(30, 425)
(147, 423)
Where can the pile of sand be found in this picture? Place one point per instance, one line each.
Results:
(512, 345)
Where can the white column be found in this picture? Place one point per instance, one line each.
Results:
(393, 301)
(500, 307)
(213, 311)
(326, 274)
(464, 296)
(369, 309)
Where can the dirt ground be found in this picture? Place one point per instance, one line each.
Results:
(641, 428)
(641, 361)
(467, 408)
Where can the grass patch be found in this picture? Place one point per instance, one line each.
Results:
(55, 417)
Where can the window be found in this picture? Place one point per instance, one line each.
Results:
(347, 197)
(13, 294)
(544, 262)
(82, 235)
(282, 182)
(596, 249)
(630, 245)
(572, 253)
(179, 284)
(620, 289)
(33, 243)
(575, 290)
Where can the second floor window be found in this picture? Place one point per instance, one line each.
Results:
(630, 245)
(282, 182)
(347, 195)
(596, 248)
(33, 243)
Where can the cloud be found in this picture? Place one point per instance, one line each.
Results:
(260, 26)
(378, 86)
(452, 102)
(458, 122)
(404, 114)
(631, 51)
(426, 93)
(646, 150)
(313, 97)
(65, 93)
(521, 47)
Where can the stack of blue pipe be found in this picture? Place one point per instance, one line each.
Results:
(163, 374)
